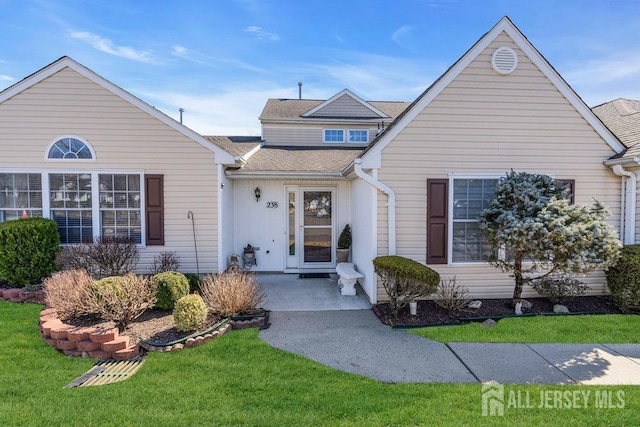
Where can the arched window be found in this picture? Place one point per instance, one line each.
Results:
(70, 148)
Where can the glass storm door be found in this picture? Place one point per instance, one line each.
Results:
(317, 228)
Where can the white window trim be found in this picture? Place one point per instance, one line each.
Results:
(324, 136)
(452, 177)
(358, 130)
(84, 141)
(95, 195)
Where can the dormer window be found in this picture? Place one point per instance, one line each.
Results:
(358, 135)
(70, 148)
(334, 135)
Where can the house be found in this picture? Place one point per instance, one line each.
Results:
(622, 116)
(410, 178)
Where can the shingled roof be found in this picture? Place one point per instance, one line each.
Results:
(293, 109)
(622, 117)
(301, 159)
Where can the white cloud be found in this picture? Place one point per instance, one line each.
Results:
(605, 78)
(208, 60)
(262, 34)
(399, 36)
(107, 46)
(5, 78)
(230, 113)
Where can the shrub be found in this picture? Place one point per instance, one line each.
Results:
(344, 241)
(190, 312)
(231, 294)
(623, 279)
(194, 282)
(103, 257)
(559, 290)
(405, 280)
(165, 261)
(121, 299)
(68, 293)
(451, 296)
(28, 249)
(171, 286)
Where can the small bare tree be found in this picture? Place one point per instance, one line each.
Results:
(68, 293)
(165, 261)
(451, 296)
(122, 299)
(231, 294)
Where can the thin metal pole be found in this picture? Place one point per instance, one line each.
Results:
(195, 244)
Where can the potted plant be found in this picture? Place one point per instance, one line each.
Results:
(344, 245)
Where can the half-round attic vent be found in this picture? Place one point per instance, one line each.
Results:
(504, 60)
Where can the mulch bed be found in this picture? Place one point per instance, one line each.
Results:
(431, 314)
(154, 325)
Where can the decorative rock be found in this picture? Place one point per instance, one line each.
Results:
(558, 308)
(518, 308)
(191, 342)
(475, 304)
(489, 323)
(199, 340)
(526, 304)
(178, 346)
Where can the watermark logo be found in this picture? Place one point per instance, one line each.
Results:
(492, 400)
(496, 399)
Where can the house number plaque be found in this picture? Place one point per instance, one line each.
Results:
(272, 205)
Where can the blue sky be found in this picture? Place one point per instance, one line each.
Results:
(221, 59)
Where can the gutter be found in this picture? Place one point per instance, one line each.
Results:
(391, 203)
(244, 174)
(628, 211)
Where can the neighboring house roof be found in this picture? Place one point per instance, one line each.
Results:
(622, 117)
(298, 161)
(221, 155)
(239, 146)
(345, 104)
(294, 109)
(371, 154)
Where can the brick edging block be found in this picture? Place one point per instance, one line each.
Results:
(74, 341)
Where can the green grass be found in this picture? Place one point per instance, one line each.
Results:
(239, 380)
(588, 329)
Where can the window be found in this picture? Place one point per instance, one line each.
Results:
(333, 135)
(70, 148)
(120, 212)
(470, 197)
(358, 135)
(20, 195)
(70, 203)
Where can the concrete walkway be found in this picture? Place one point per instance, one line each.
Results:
(355, 341)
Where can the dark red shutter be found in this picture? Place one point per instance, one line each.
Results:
(437, 220)
(571, 185)
(154, 208)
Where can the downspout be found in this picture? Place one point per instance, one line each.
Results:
(628, 203)
(391, 202)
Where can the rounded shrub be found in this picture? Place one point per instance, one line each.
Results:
(28, 250)
(194, 282)
(190, 312)
(623, 279)
(171, 286)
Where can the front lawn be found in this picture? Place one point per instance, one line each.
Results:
(239, 380)
(582, 329)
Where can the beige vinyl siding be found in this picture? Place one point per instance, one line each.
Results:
(303, 134)
(124, 138)
(488, 123)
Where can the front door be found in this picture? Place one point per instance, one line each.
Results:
(316, 228)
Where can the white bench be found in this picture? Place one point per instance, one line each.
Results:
(348, 277)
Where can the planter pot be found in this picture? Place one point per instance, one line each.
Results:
(342, 255)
